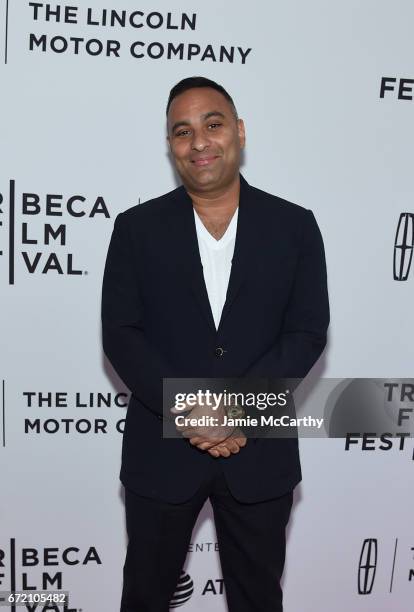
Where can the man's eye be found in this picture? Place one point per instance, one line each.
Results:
(182, 133)
(214, 125)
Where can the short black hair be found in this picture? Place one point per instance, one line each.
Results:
(199, 81)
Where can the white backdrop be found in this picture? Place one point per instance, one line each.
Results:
(85, 133)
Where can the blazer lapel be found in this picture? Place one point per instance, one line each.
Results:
(187, 244)
(243, 247)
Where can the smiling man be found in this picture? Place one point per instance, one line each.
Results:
(210, 165)
(216, 279)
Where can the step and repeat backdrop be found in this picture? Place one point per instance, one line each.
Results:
(326, 90)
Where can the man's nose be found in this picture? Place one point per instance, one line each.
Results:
(200, 140)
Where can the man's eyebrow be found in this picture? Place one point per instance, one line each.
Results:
(213, 114)
(204, 117)
(179, 124)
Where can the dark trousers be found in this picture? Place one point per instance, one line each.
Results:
(251, 539)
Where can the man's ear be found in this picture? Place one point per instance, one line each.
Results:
(242, 133)
(169, 144)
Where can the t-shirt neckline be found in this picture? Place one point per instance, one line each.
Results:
(228, 235)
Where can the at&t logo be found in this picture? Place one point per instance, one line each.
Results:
(183, 592)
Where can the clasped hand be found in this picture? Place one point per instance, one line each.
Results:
(218, 439)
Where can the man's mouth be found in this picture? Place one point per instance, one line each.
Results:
(204, 161)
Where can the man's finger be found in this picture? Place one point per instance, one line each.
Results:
(228, 446)
(223, 450)
(204, 443)
(232, 446)
(241, 441)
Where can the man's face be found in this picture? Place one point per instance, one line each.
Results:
(205, 140)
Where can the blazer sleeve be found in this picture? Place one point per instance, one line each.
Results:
(140, 366)
(306, 319)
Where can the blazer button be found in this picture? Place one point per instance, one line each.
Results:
(219, 352)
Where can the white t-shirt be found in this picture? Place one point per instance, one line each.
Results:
(216, 256)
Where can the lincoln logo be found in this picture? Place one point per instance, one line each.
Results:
(367, 566)
(403, 246)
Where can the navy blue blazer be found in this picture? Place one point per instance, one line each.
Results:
(157, 323)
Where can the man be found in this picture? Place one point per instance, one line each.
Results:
(214, 279)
